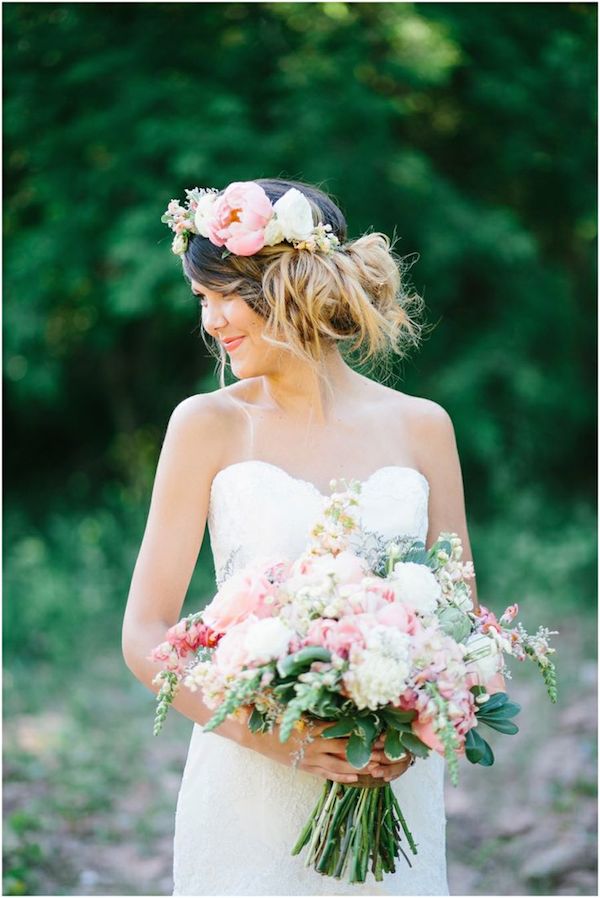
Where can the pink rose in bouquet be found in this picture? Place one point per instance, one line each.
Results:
(247, 592)
(401, 654)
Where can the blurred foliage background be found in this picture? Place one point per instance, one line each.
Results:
(467, 130)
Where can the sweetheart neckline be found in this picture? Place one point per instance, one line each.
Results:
(309, 483)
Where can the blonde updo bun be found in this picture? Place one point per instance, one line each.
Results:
(354, 297)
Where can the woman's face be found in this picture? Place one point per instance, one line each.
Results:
(225, 317)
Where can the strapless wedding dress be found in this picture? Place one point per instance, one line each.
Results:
(238, 812)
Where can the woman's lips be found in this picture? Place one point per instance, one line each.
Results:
(233, 344)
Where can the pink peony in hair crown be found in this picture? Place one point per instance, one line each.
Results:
(243, 220)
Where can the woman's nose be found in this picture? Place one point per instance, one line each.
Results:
(213, 321)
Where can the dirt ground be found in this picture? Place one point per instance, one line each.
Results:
(90, 793)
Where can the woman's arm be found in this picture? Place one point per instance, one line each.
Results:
(189, 459)
(190, 456)
(435, 440)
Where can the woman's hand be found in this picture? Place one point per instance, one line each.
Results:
(325, 758)
(381, 766)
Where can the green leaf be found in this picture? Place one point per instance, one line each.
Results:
(326, 706)
(474, 748)
(393, 747)
(503, 726)
(285, 692)
(357, 751)
(414, 744)
(256, 723)
(477, 749)
(454, 623)
(299, 661)
(397, 719)
(488, 757)
(342, 728)
(400, 727)
(494, 701)
(417, 556)
(367, 728)
(508, 709)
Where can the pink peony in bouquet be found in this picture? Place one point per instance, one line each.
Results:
(391, 648)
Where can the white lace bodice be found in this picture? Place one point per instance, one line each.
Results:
(250, 503)
(238, 812)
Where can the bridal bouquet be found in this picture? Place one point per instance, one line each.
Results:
(393, 648)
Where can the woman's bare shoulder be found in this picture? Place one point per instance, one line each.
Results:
(213, 416)
(416, 410)
(425, 412)
(200, 409)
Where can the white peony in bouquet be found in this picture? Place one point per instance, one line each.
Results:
(394, 649)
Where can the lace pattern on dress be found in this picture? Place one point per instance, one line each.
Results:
(239, 812)
(229, 567)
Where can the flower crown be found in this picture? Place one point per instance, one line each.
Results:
(243, 219)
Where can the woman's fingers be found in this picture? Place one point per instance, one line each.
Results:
(334, 746)
(327, 774)
(391, 769)
(335, 764)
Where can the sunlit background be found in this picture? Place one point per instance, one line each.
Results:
(468, 131)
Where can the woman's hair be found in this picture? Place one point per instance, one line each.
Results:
(354, 296)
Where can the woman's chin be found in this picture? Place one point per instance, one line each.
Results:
(241, 371)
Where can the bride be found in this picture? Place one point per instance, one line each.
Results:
(282, 291)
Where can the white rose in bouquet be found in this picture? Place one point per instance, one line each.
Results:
(484, 655)
(378, 672)
(415, 585)
(267, 640)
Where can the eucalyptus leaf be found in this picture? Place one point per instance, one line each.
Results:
(416, 556)
(454, 623)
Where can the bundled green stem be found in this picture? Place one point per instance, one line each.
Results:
(354, 828)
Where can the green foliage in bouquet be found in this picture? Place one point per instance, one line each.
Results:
(360, 824)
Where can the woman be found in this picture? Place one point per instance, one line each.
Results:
(281, 290)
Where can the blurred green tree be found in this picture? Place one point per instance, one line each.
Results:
(467, 130)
